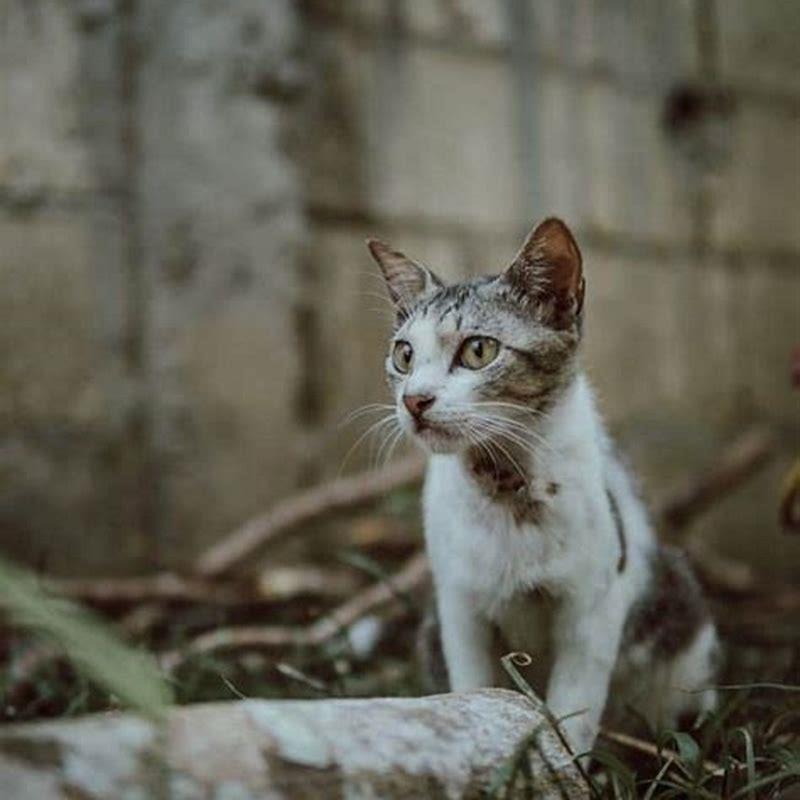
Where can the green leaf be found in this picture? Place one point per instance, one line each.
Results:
(688, 749)
(130, 675)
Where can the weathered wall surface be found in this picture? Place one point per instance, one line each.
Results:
(188, 310)
(150, 226)
(668, 134)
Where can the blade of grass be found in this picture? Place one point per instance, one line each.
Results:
(761, 783)
(511, 662)
(654, 784)
(750, 761)
(130, 675)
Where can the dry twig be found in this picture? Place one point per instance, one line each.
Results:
(337, 495)
(409, 578)
(736, 463)
(650, 749)
(273, 584)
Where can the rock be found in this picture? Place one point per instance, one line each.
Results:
(452, 745)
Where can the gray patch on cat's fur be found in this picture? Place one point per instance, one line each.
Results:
(673, 609)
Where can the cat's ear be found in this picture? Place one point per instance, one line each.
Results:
(406, 280)
(548, 270)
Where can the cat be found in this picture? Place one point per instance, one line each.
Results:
(537, 538)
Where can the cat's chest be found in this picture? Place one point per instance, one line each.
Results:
(497, 546)
(512, 488)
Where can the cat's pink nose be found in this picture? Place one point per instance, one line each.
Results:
(417, 403)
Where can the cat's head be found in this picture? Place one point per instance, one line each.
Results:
(471, 362)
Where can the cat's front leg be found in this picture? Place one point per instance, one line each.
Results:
(586, 639)
(466, 640)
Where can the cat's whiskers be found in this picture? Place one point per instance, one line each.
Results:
(513, 430)
(388, 436)
(482, 447)
(398, 437)
(368, 408)
(497, 430)
(372, 429)
(522, 409)
(496, 443)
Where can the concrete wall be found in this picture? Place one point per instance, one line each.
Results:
(151, 220)
(185, 188)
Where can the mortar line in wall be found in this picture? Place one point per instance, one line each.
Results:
(775, 99)
(778, 259)
(309, 391)
(707, 57)
(140, 427)
(525, 82)
(707, 32)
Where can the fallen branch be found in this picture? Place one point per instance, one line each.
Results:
(409, 578)
(447, 745)
(338, 495)
(737, 462)
(273, 584)
(721, 572)
(164, 587)
(651, 749)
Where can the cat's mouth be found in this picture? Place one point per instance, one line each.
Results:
(437, 438)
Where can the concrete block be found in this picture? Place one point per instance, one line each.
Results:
(220, 214)
(755, 197)
(414, 146)
(474, 22)
(758, 44)
(58, 96)
(361, 13)
(629, 335)
(765, 326)
(647, 44)
(691, 340)
(70, 498)
(633, 182)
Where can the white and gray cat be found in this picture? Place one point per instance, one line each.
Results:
(537, 539)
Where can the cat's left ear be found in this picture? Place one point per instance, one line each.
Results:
(406, 280)
(549, 271)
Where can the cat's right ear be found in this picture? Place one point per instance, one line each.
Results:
(549, 271)
(406, 280)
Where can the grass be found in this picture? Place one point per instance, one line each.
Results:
(127, 675)
(749, 748)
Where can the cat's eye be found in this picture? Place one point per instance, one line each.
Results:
(402, 356)
(478, 351)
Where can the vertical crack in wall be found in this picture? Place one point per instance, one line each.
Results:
(328, 105)
(521, 37)
(142, 456)
(309, 390)
(707, 38)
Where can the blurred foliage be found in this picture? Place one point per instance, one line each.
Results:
(130, 675)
